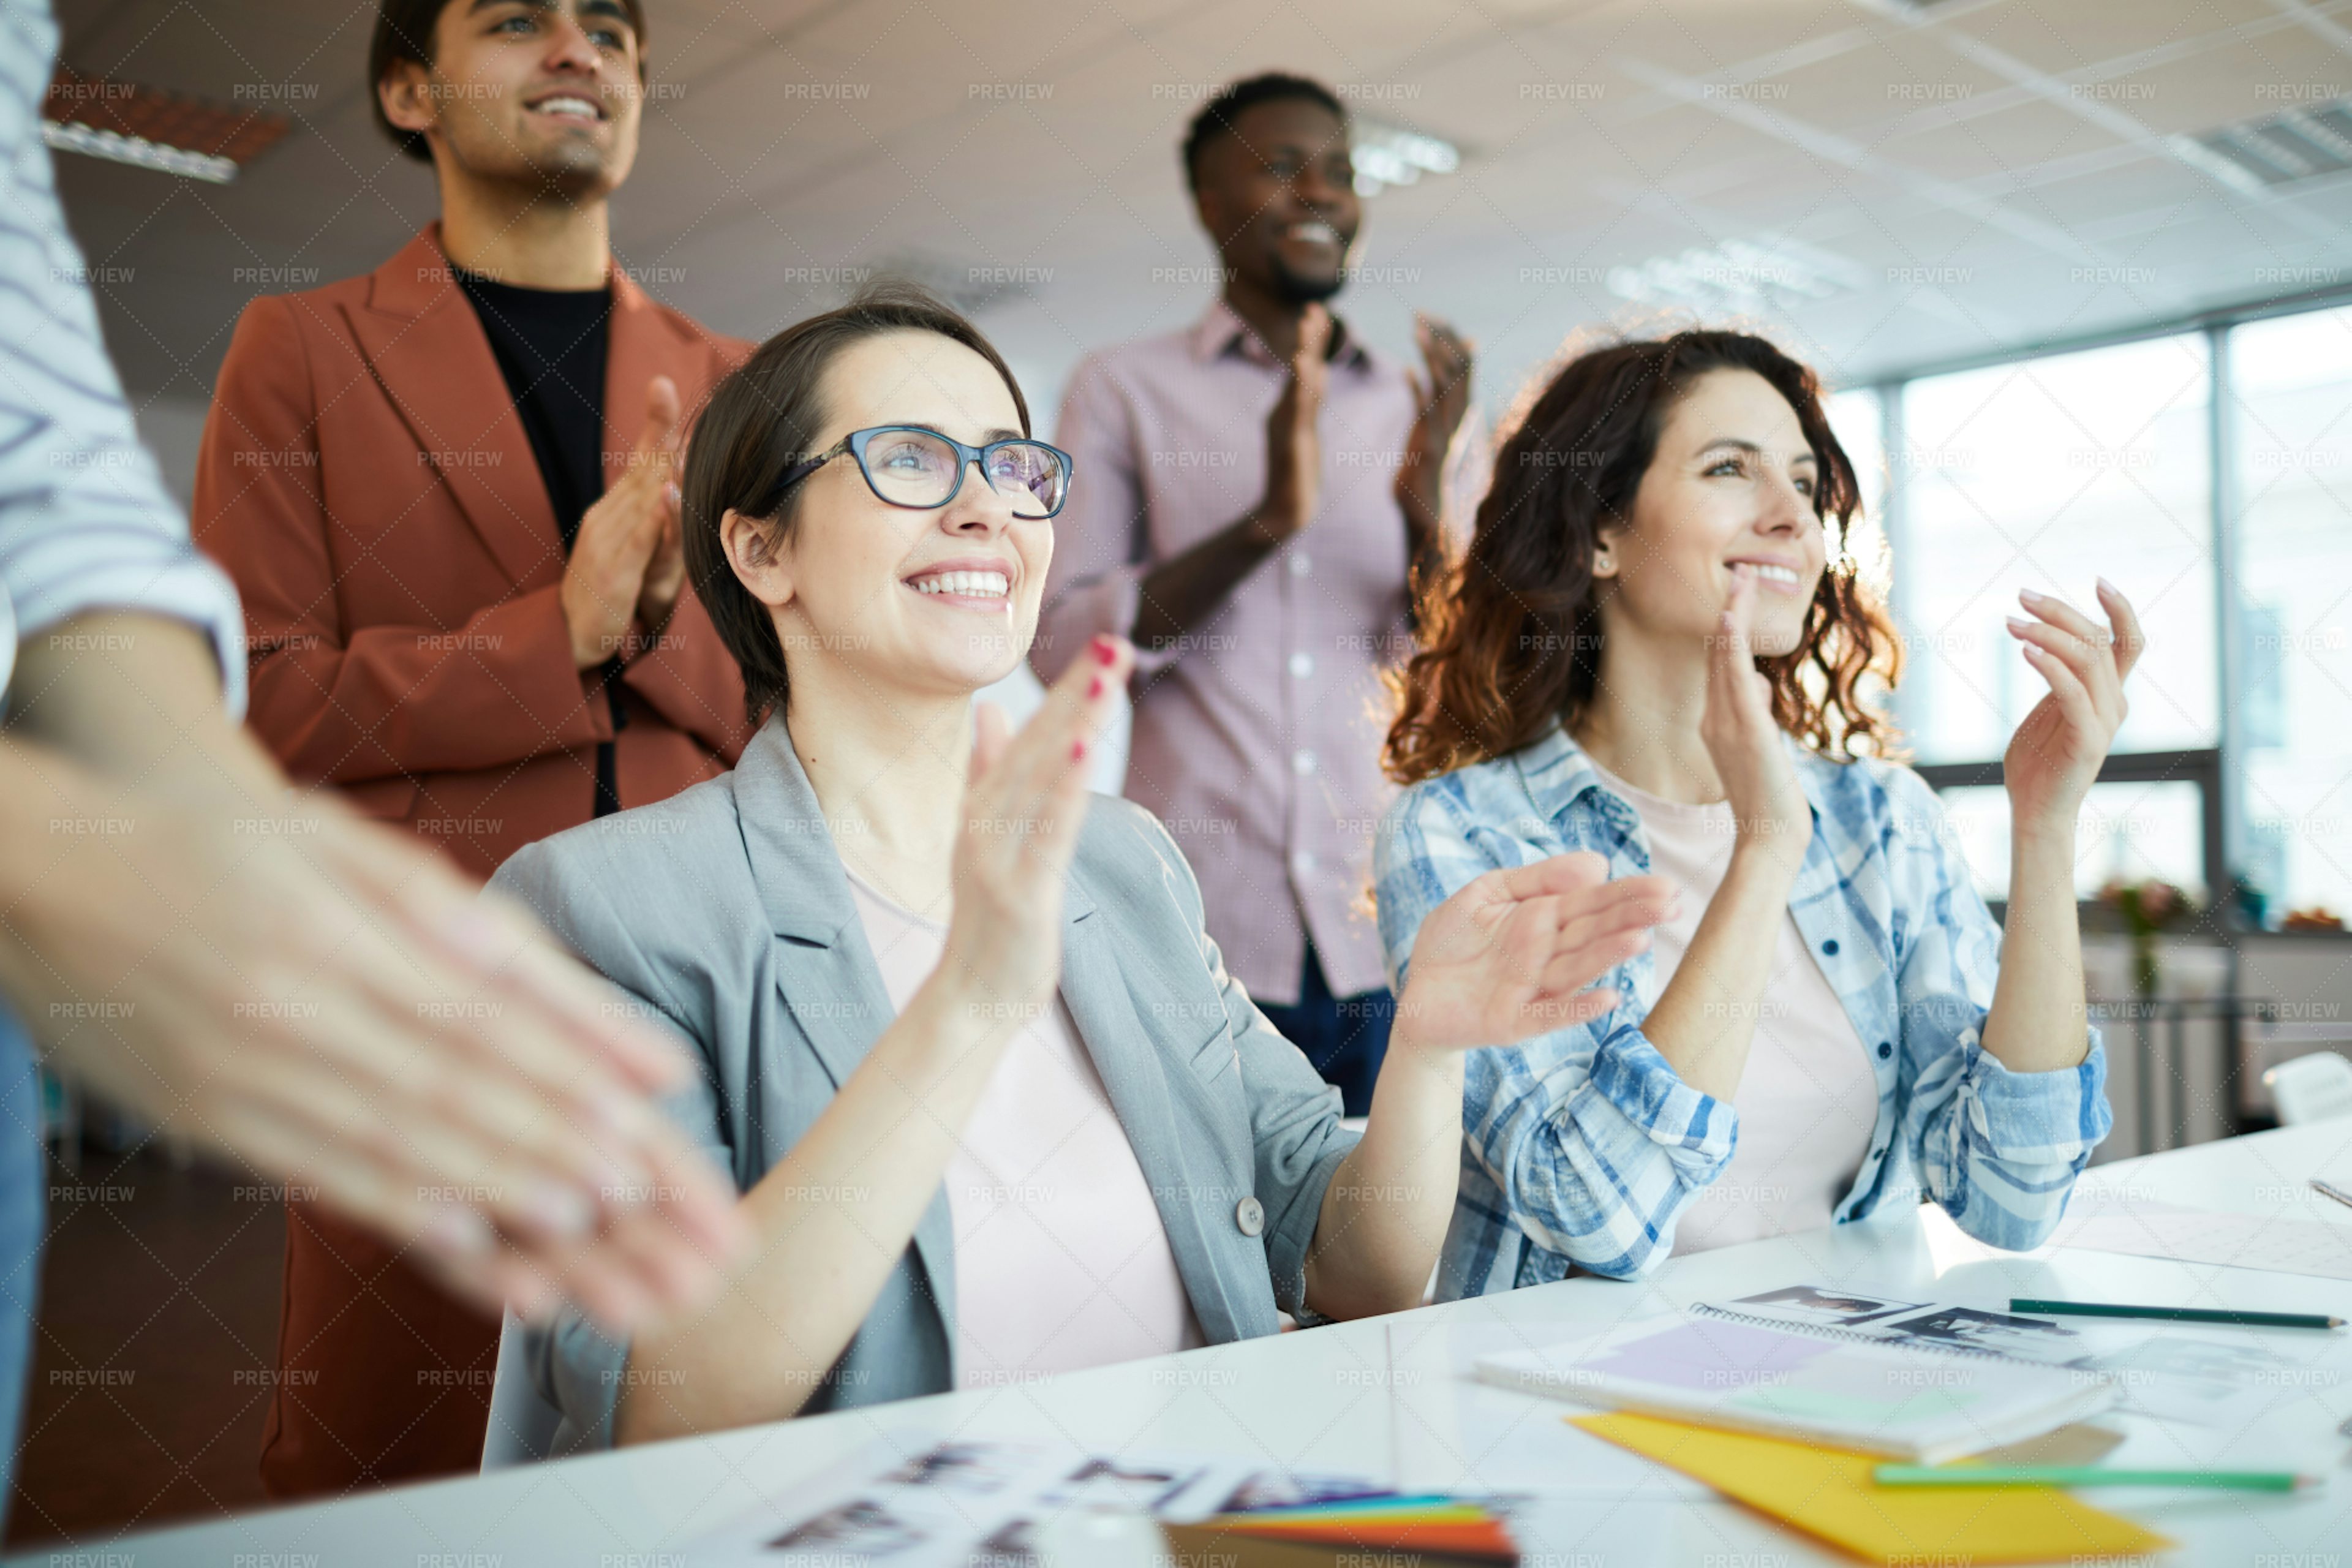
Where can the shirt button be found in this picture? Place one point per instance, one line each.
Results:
(1302, 763)
(1302, 665)
(1249, 1215)
(1830, 947)
(1303, 862)
(1885, 1049)
(1300, 564)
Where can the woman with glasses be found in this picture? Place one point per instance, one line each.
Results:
(1659, 649)
(995, 1109)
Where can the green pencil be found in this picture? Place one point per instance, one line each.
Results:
(2084, 1476)
(2176, 1314)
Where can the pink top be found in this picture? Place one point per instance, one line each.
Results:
(1808, 1100)
(1257, 739)
(1061, 1261)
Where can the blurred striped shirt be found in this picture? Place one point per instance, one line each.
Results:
(85, 522)
(1582, 1148)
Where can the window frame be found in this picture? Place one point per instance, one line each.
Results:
(2217, 769)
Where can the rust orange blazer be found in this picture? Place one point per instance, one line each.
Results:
(366, 480)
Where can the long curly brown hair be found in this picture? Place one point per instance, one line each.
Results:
(1511, 636)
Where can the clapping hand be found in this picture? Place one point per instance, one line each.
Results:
(1023, 811)
(322, 999)
(1294, 450)
(2055, 755)
(658, 451)
(1439, 402)
(1769, 808)
(628, 559)
(1510, 955)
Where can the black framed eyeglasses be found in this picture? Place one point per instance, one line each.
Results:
(920, 469)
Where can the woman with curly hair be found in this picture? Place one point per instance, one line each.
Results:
(1658, 648)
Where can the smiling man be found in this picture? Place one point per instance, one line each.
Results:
(1252, 499)
(445, 492)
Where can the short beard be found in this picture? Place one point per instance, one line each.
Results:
(577, 173)
(1293, 290)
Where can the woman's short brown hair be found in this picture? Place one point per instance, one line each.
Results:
(1511, 636)
(762, 419)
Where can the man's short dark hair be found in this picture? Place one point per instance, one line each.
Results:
(1229, 102)
(403, 31)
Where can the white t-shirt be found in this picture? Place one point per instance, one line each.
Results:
(1061, 1261)
(1808, 1100)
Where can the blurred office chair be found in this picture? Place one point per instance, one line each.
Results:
(522, 1424)
(2312, 1087)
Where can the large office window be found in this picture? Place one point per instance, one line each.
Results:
(2129, 831)
(1858, 421)
(2049, 471)
(2047, 474)
(2290, 407)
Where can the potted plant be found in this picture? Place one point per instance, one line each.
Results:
(2145, 908)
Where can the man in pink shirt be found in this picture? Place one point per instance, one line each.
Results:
(1253, 498)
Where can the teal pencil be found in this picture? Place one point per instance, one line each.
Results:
(2084, 1476)
(2175, 1314)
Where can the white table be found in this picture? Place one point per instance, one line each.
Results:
(1326, 1400)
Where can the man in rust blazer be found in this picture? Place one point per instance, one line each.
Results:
(445, 492)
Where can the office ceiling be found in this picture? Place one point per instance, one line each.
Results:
(1887, 183)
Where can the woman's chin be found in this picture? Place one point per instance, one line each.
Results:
(1006, 650)
(982, 659)
(1777, 641)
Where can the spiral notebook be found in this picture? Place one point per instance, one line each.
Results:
(1850, 1317)
(1820, 1382)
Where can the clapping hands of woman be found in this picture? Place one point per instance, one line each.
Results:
(2054, 757)
(1023, 809)
(2036, 1023)
(1508, 957)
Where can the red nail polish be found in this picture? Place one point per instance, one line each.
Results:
(1078, 751)
(1094, 686)
(1106, 651)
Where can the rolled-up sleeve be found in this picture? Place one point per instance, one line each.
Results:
(1595, 1142)
(1101, 541)
(1998, 1150)
(85, 522)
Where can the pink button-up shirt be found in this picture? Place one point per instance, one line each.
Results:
(1257, 738)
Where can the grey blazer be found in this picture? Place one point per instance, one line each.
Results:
(724, 912)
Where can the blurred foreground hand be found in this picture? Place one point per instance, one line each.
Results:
(274, 978)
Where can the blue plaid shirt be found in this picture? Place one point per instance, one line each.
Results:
(1582, 1147)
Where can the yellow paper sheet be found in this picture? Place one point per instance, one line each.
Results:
(1828, 1492)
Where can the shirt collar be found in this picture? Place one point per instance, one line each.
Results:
(1220, 332)
(1554, 771)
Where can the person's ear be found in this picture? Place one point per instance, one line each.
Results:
(1607, 559)
(1210, 206)
(1204, 209)
(755, 553)
(406, 93)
